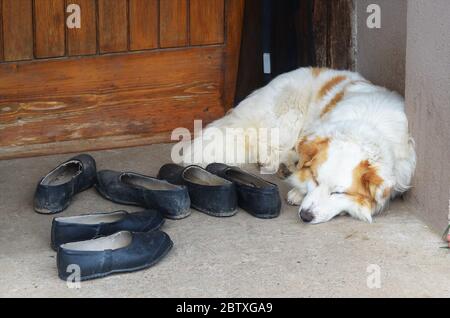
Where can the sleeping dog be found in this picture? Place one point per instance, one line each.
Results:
(343, 143)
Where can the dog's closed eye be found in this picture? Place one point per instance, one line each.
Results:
(339, 193)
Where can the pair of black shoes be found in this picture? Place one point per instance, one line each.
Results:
(107, 243)
(56, 190)
(217, 190)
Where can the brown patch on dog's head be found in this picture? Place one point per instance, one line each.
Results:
(365, 184)
(328, 86)
(312, 154)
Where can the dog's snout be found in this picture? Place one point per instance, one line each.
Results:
(306, 216)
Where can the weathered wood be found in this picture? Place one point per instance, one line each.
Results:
(113, 26)
(49, 28)
(144, 24)
(144, 94)
(82, 145)
(173, 23)
(17, 30)
(116, 100)
(320, 32)
(340, 35)
(206, 22)
(83, 41)
(234, 12)
(1, 31)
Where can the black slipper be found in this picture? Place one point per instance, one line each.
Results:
(91, 226)
(55, 191)
(255, 195)
(136, 189)
(122, 252)
(209, 193)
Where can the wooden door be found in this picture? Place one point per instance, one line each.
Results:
(134, 71)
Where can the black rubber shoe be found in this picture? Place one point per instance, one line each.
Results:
(55, 191)
(91, 226)
(255, 195)
(136, 189)
(122, 252)
(209, 193)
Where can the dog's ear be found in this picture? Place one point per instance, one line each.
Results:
(309, 149)
(370, 179)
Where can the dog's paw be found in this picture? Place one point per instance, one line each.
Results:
(295, 197)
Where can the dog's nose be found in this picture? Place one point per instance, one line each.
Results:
(306, 216)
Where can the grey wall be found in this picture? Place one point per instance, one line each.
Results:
(380, 53)
(411, 54)
(428, 105)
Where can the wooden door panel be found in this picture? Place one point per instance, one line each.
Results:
(144, 24)
(113, 26)
(49, 28)
(173, 23)
(206, 22)
(99, 101)
(17, 30)
(83, 41)
(1, 31)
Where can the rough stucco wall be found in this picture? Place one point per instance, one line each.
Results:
(380, 53)
(428, 106)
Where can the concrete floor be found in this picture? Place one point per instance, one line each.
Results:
(235, 257)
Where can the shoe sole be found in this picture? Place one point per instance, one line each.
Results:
(217, 214)
(264, 217)
(50, 212)
(128, 270)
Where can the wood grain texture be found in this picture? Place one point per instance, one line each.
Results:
(144, 24)
(234, 12)
(108, 96)
(83, 41)
(340, 35)
(1, 31)
(17, 30)
(320, 32)
(206, 22)
(49, 28)
(113, 25)
(173, 16)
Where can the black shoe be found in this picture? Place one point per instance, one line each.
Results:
(255, 195)
(122, 252)
(91, 226)
(209, 193)
(135, 189)
(55, 191)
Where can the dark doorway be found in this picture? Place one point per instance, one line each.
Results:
(296, 33)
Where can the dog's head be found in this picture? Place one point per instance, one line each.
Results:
(339, 176)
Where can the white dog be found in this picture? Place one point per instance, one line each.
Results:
(343, 143)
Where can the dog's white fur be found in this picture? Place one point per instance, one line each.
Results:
(360, 121)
